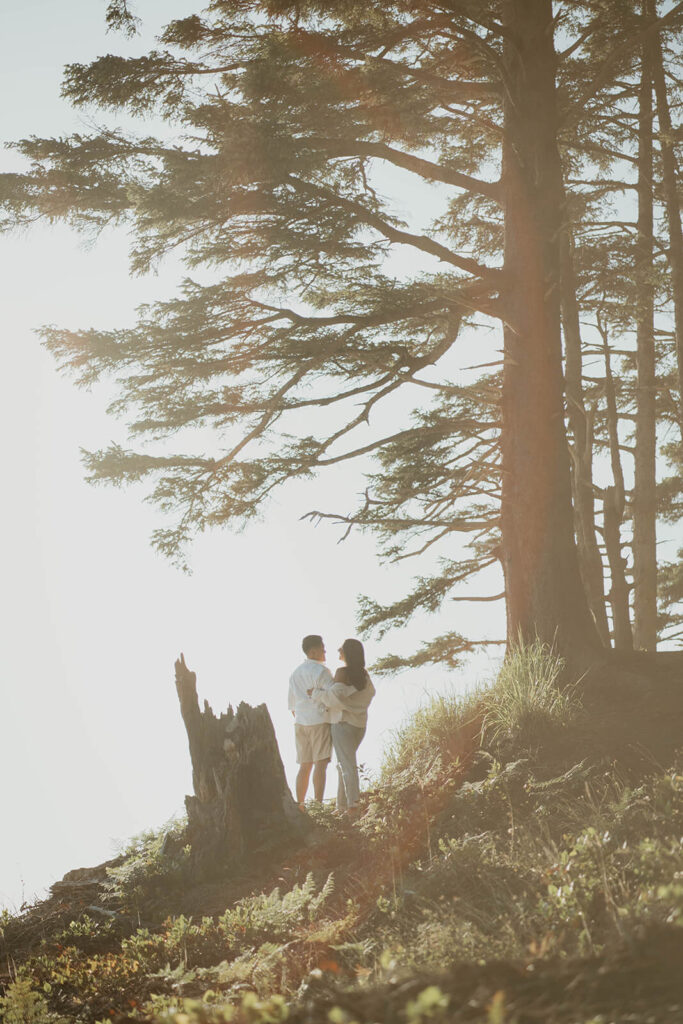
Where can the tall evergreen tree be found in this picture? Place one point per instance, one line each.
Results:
(283, 113)
(670, 190)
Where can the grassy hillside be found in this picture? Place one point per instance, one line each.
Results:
(519, 860)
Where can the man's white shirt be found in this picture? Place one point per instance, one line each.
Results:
(309, 675)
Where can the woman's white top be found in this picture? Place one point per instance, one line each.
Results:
(346, 703)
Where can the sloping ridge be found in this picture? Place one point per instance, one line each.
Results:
(476, 822)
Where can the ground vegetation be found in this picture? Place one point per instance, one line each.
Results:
(498, 872)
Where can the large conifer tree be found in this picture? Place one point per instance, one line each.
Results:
(282, 113)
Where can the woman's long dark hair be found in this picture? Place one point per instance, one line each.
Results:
(354, 655)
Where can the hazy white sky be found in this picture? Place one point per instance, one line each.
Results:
(92, 746)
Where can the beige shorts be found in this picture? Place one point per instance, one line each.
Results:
(313, 743)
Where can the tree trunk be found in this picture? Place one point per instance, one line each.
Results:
(545, 594)
(241, 799)
(590, 559)
(673, 211)
(619, 590)
(614, 503)
(644, 494)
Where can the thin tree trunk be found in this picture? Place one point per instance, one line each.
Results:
(590, 559)
(673, 210)
(644, 496)
(545, 594)
(619, 589)
(614, 503)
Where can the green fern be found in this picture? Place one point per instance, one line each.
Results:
(273, 916)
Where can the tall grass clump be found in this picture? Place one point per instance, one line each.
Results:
(527, 699)
(434, 735)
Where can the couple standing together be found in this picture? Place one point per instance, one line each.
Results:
(329, 712)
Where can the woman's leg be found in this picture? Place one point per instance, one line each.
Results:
(338, 744)
(346, 739)
(341, 790)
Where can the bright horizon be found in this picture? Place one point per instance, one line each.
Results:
(94, 749)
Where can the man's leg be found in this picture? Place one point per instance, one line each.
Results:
(319, 773)
(302, 777)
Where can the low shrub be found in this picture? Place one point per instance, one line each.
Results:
(23, 1005)
(183, 958)
(180, 942)
(541, 868)
(155, 862)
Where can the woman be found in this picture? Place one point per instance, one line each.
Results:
(348, 698)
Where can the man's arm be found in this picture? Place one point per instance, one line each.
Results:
(323, 682)
(325, 679)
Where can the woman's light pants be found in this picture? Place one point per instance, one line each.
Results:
(346, 740)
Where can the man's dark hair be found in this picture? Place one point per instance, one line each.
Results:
(309, 642)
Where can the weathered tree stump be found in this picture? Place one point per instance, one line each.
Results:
(241, 800)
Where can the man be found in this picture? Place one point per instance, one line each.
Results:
(311, 719)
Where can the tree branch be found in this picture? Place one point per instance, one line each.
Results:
(274, 409)
(585, 146)
(412, 432)
(422, 242)
(618, 53)
(425, 168)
